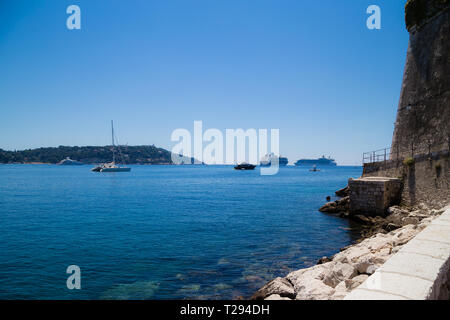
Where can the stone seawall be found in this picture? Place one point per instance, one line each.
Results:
(426, 178)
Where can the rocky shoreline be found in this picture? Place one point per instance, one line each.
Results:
(420, 161)
(334, 277)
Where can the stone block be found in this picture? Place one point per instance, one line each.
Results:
(372, 196)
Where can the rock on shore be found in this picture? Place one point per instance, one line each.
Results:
(334, 279)
(338, 206)
(344, 192)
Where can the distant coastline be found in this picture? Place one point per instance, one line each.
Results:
(145, 155)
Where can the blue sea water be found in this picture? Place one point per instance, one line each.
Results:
(162, 232)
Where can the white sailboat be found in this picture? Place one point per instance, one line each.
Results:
(112, 166)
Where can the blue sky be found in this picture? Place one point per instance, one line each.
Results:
(309, 68)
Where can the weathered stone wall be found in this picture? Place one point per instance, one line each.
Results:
(373, 196)
(421, 139)
(425, 179)
(423, 116)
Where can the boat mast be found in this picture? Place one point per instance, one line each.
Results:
(112, 137)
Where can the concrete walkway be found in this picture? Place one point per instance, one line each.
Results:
(419, 271)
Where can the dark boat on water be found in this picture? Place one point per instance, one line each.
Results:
(244, 166)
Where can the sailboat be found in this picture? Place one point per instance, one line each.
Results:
(112, 166)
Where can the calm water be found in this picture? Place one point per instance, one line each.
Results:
(162, 232)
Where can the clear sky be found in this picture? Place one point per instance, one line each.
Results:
(309, 68)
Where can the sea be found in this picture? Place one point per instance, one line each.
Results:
(163, 232)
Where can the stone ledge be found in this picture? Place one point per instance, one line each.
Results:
(397, 284)
(418, 271)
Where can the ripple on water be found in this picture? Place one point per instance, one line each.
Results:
(180, 276)
(221, 286)
(140, 290)
(223, 261)
(190, 289)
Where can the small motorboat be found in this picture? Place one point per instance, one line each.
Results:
(245, 166)
(314, 169)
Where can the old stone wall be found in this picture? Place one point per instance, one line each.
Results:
(426, 178)
(423, 115)
(421, 140)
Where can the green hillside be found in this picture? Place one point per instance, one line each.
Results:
(88, 155)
